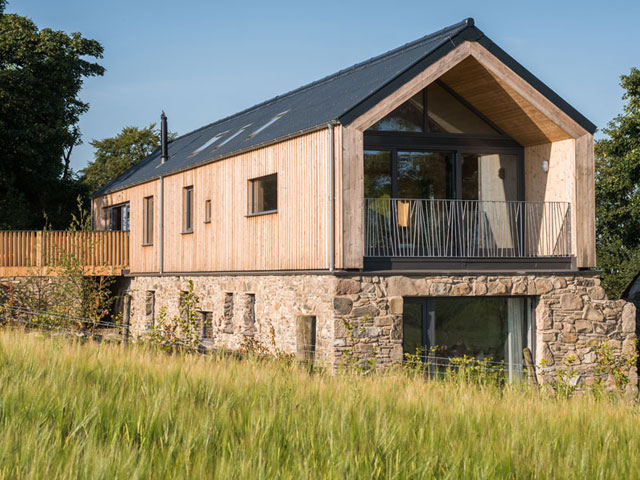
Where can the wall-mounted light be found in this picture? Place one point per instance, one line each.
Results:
(545, 166)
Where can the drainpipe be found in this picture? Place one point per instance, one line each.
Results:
(332, 192)
(161, 228)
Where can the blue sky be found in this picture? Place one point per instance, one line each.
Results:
(203, 60)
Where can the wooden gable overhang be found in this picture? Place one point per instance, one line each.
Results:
(507, 95)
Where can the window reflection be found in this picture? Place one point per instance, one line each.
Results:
(408, 117)
(377, 174)
(446, 114)
(425, 175)
(489, 177)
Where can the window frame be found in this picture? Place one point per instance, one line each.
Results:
(108, 213)
(207, 211)
(188, 214)
(428, 310)
(147, 220)
(251, 196)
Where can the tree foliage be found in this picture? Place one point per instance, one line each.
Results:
(41, 74)
(115, 155)
(618, 192)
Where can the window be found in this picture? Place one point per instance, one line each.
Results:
(269, 123)
(206, 319)
(445, 112)
(207, 211)
(150, 306)
(426, 175)
(187, 210)
(408, 117)
(147, 222)
(409, 174)
(263, 194)
(250, 314)
(495, 329)
(228, 139)
(118, 217)
(208, 143)
(377, 174)
(227, 316)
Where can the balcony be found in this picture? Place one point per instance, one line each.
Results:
(466, 233)
(47, 253)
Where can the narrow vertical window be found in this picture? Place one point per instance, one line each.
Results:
(228, 313)
(150, 307)
(250, 314)
(147, 222)
(263, 194)
(187, 210)
(207, 211)
(206, 318)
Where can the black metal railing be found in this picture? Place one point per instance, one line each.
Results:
(466, 228)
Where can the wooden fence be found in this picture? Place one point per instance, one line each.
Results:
(30, 253)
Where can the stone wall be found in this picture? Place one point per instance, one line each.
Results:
(262, 307)
(361, 315)
(572, 312)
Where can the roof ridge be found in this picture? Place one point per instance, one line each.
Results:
(467, 22)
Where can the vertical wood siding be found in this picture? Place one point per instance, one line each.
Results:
(142, 258)
(294, 238)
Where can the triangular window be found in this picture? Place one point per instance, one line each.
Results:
(445, 113)
(408, 117)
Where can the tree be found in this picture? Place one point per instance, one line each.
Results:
(41, 74)
(618, 192)
(115, 155)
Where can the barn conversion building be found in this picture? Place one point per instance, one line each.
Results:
(438, 196)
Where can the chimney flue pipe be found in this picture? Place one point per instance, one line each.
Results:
(164, 156)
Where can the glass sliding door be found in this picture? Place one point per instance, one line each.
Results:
(490, 182)
(377, 174)
(495, 329)
(415, 326)
(425, 175)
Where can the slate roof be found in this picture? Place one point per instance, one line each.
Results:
(340, 97)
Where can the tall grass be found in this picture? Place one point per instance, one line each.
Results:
(70, 410)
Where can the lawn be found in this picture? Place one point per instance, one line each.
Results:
(72, 410)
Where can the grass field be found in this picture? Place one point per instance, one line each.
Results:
(71, 410)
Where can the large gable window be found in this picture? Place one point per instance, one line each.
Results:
(408, 117)
(448, 114)
(445, 112)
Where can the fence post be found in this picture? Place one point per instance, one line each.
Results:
(306, 339)
(531, 368)
(126, 311)
(38, 251)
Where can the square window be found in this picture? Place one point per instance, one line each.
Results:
(263, 194)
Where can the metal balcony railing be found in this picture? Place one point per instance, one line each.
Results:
(466, 228)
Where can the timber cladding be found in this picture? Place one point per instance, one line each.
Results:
(296, 236)
(293, 238)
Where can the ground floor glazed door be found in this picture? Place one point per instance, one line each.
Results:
(494, 329)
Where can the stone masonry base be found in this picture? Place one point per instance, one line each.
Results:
(571, 311)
